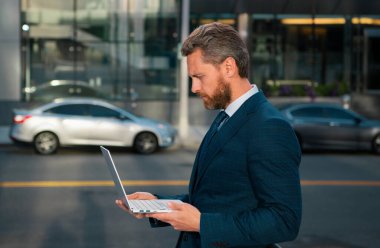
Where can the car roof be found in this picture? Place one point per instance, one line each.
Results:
(83, 100)
(73, 100)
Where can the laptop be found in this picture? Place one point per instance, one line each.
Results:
(135, 206)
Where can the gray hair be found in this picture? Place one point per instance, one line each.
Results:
(217, 42)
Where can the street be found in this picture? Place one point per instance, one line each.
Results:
(67, 200)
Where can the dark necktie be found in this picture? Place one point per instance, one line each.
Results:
(215, 126)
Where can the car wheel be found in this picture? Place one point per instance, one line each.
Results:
(376, 144)
(46, 143)
(145, 143)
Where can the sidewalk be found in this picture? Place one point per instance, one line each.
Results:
(195, 137)
(4, 135)
(196, 134)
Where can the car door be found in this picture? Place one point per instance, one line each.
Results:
(311, 125)
(344, 130)
(112, 128)
(72, 123)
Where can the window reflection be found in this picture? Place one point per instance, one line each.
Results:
(126, 49)
(299, 50)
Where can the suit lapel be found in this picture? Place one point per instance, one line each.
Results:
(220, 139)
(195, 170)
(229, 129)
(194, 173)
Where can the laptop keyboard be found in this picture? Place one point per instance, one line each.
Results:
(148, 205)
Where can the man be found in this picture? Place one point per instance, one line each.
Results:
(244, 189)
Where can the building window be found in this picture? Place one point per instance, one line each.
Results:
(297, 54)
(125, 49)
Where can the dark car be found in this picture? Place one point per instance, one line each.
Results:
(54, 89)
(329, 126)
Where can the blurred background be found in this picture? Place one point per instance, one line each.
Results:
(127, 53)
(128, 49)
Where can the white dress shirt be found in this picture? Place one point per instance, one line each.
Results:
(235, 105)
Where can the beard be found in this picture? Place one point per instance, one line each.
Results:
(220, 98)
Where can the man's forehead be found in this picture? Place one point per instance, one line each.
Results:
(198, 68)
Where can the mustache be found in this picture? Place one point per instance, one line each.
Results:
(201, 95)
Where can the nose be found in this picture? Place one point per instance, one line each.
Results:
(195, 85)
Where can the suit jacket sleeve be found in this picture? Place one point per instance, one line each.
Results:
(273, 160)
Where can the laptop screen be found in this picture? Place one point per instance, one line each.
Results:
(115, 175)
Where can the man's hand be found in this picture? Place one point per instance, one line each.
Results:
(135, 196)
(184, 217)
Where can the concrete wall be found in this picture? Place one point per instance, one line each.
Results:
(10, 63)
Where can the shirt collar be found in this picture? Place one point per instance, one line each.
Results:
(235, 105)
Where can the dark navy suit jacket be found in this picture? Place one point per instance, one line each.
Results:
(247, 187)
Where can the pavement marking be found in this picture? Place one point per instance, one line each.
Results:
(340, 183)
(62, 184)
(52, 184)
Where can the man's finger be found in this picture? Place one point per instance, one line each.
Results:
(175, 205)
(159, 216)
(141, 196)
(156, 216)
(121, 204)
(139, 216)
(133, 196)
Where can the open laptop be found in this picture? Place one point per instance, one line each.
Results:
(135, 206)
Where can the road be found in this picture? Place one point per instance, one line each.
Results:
(67, 200)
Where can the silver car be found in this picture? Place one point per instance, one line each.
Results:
(80, 121)
(330, 126)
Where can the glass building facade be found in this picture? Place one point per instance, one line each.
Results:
(128, 49)
(301, 55)
(125, 49)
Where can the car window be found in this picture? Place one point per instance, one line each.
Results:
(100, 111)
(69, 109)
(334, 113)
(308, 112)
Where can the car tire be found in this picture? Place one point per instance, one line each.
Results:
(46, 143)
(376, 144)
(145, 143)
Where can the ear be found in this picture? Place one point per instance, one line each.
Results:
(230, 67)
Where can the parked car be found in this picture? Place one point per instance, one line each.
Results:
(54, 89)
(329, 126)
(83, 121)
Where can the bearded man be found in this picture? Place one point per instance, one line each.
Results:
(244, 189)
